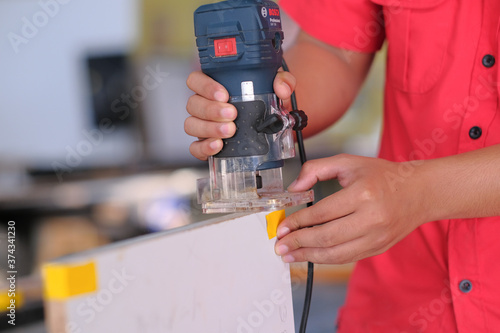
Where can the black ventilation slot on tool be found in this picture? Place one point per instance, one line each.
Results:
(258, 180)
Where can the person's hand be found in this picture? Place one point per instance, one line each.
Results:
(377, 207)
(212, 116)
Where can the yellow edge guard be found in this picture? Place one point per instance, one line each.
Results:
(66, 281)
(273, 221)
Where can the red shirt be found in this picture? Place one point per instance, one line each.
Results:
(441, 98)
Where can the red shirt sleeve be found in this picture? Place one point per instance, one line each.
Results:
(356, 25)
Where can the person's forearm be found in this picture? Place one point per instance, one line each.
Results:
(461, 186)
(328, 79)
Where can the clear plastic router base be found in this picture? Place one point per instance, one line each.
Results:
(247, 191)
(264, 202)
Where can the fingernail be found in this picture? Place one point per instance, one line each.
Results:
(281, 250)
(226, 129)
(220, 96)
(283, 231)
(288, 89)
(292, 185)
(215, 145)
(288, 258)
(228, 113)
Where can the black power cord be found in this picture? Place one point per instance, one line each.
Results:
(310, 265)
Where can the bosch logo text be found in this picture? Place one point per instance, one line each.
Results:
(274, 12)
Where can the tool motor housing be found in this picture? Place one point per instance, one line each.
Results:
(238, 41)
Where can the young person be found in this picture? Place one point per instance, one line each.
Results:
(422, 220)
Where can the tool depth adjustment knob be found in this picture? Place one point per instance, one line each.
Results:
(300, 118)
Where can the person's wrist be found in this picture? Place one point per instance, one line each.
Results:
(427, 198)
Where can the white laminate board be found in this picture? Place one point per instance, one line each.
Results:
(217, 277)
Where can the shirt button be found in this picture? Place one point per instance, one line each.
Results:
(475, 132)
(488, 61)
(465, 286)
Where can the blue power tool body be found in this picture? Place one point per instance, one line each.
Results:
(240, 46)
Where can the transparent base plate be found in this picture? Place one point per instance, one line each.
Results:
(265, 202)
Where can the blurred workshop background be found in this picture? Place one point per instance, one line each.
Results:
(92, 147)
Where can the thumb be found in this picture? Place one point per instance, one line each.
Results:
(317, 170)
(284, 85)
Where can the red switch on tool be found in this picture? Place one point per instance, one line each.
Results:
(225, 47)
